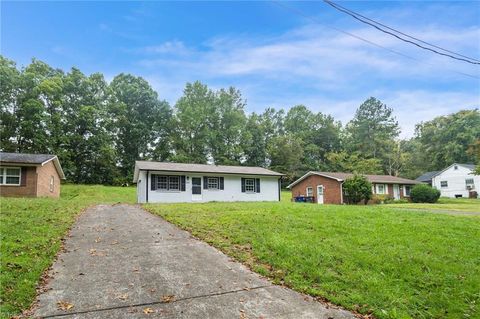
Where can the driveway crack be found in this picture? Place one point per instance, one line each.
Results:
(155, 302)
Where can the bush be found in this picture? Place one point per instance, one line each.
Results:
(356, 189)
(423, 193)
(382, 199)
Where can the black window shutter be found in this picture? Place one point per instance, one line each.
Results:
(243, 185)
(182, 186)
(23, 176)
(257, 182)
(153, 181)
(205, 185)
(221, 183)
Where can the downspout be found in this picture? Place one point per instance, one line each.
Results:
(146, 187)
(280, 189)
(341, 192)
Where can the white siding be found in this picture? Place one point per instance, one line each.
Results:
(232, 189)
(456, 181)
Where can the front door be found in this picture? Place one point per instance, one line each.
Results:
(396, 191)
(196, 188)
(320, 194)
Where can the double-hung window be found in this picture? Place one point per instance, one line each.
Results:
(10, 176)
(162, 182)
(309, 191)
(469, 182)
(171, 183)
(250, 185)
(212, 183)
(407, 189)
(174, 183)
(381, 189)
(443, 183)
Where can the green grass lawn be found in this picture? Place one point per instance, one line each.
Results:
(371, 259)
(378, 259)
(30, 235)
(444, 203)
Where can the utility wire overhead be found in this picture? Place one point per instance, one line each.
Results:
(400, 32)
(378, 26)
(316, 21)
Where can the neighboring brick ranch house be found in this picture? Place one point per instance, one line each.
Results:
(326, 187)
(30, 175)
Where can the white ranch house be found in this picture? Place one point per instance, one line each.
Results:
(457, 180)
(162, 182)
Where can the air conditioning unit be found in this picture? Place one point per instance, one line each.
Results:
(470, 187)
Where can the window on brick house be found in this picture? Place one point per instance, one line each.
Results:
(52, 183)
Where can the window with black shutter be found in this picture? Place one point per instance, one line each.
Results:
(167, 183)
(257, 185)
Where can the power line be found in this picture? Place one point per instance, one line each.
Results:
(409, 36)
(316, 21)
(375, 24)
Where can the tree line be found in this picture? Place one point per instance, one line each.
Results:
(98, 129)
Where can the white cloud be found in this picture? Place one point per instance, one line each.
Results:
(325, 70)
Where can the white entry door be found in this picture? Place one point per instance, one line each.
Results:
(320, 194)
(396, 191)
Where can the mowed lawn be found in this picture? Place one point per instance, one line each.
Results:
(30, 235)
(371, 259)
(389, 262)
(453, 204)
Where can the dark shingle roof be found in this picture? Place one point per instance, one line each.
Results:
(387, 179)
(22, 158)
(470, 166)
(427, 177)
(371, 178)
(201, 168)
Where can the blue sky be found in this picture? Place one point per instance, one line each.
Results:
(275, 57)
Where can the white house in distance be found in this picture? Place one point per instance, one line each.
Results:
(457, 180)
(162, 182)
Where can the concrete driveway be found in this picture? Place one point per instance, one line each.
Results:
(122, 262)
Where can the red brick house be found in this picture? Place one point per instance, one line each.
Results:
(30, 175)
(326, 187)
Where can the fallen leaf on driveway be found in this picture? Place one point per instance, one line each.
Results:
(122, 297)
(98, 239)
(168, 298)
(243, 315)
(94, 252)
(147, 311)
(64, 305)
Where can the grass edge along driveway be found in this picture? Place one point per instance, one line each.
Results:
(31, 232)
(374, 260)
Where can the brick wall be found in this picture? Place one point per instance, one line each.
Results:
(28, 187)
(331, 192)
(44, 174)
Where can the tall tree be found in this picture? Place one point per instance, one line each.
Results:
(353, 163)
(137, 114)
(191, 121)
(373, 131)
(88, 152)
(226, 125)
(10, 87)
(447, 139)
(259, 134)
(319, 133)
(286, 153)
